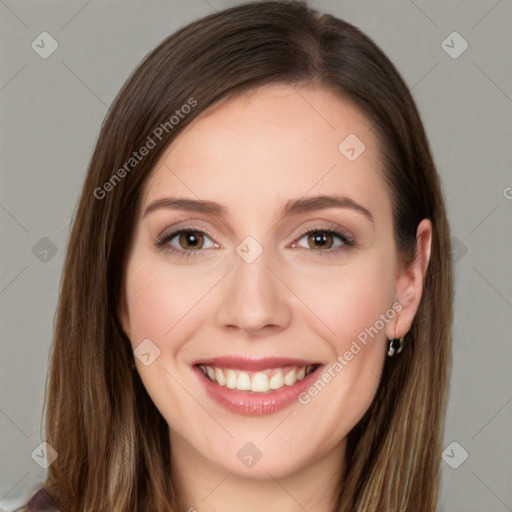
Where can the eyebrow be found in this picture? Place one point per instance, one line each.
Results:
(291, 207)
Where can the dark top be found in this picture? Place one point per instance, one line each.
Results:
(41, 501)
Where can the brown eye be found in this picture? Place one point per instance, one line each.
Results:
(190, 240)
(320, 239)
(324, 241)
(185, 242)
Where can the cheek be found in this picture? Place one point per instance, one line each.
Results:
(161, 308)
(158, 300)
(354, 305)
(147, 304)
(349, 302)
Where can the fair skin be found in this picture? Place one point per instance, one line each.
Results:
(252, 154)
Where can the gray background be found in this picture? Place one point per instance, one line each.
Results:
(51, 113)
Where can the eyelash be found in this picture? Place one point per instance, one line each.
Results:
(348, 241)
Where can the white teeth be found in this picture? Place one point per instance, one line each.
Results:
(277, 381)
(230, 379)
(210, 372)
(290, 378)
(243, 382)
(219, 377)
(259, 382)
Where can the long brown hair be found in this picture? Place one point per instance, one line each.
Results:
(112, 442)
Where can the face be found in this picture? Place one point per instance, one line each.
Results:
(260, 323)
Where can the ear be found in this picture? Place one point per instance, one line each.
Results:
(122, 313)
(410, 281)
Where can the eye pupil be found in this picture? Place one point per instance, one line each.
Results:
(320, 237)
(191, 239)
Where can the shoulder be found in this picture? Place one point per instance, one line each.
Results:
(41, 501)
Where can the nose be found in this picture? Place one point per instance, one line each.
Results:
(254, 300)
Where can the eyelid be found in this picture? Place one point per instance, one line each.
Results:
(172, 231)
(163, 240)
(328, 226)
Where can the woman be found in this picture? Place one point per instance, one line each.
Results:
(255, 311)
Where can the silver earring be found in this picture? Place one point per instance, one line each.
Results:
(392, 350)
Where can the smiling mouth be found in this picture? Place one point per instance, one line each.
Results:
(265, 381)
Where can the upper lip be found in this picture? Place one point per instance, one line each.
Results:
(254, 363)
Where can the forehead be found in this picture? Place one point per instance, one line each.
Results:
(259, 148)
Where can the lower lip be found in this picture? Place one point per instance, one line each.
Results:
(255, 404)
